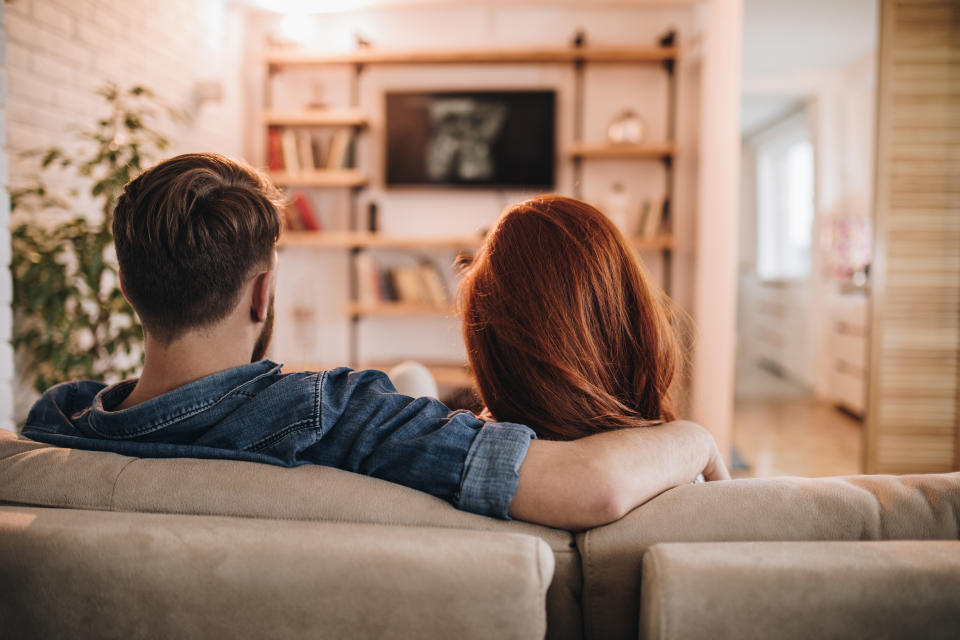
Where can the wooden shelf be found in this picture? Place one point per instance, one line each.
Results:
(315, 118)
(658, 243)
(397, 309)
(449, 374)
(363, 239)
(324, 178)
(610, 55)
(626, 151)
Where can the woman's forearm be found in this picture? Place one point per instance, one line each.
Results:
(592, 481)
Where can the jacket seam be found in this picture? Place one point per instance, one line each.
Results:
(180, 416)
(318, 392)
(273, 438)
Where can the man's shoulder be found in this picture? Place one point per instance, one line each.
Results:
(53, 410)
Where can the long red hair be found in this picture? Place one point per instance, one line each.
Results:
(563, 329)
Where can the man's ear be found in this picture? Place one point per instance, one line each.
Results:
(123, 289)
(260, 301)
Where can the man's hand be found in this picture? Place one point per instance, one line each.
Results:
(589, 482)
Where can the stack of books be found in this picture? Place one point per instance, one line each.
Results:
(304, 151)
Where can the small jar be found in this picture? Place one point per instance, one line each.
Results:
(627, 128)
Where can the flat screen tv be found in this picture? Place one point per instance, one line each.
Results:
(471, 138)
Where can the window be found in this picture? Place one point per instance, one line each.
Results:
(784, 202)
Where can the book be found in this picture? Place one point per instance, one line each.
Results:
(274, 150)
(434, 288)
(651, 218)
(388, 286)
(368, 279)
(410, 288)
(288, 143)
(305, 151)
(337, 156)
(308, 218)
(291, 218)
(318, 148)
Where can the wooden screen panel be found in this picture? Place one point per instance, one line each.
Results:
(913, 410)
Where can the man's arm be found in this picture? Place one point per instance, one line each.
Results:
(588, 482)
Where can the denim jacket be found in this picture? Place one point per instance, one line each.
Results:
(352, 420)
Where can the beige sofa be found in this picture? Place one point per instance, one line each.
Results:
(206, 548)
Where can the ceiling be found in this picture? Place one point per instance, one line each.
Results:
(784, 38)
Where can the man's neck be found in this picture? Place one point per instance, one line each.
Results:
(189, 358)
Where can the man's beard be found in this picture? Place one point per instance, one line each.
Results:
(263, 340)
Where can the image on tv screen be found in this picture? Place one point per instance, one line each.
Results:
(471, 138)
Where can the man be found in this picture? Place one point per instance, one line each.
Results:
(196, 241)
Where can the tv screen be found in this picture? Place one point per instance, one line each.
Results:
(471, 138)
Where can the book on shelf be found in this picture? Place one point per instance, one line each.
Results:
(274, 149)
(368, 278)
(300, 215)
(305, 151)
(288, 143)
(319, 151)
(422, 284)
(337, 158)
(435, 289)
(651, 218)
(302, 151)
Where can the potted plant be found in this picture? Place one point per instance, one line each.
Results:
(70, 318)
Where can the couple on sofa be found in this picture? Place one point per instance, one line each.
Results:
(567, 338)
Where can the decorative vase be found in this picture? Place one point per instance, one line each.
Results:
(627, 128)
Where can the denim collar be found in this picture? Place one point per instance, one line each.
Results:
(172, 407)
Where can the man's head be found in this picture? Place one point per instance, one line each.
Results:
(190, 234)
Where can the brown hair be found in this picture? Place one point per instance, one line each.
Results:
(563, 329)
(188, 233)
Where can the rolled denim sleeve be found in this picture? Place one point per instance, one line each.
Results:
(367, 427)
(491, 471)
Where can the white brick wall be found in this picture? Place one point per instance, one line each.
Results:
(6, 318)
(59, 51)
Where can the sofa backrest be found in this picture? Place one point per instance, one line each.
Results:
(33, 473)
(767, 509)
(798, 590)
(83, 574)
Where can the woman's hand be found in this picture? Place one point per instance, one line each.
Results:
(716, 468)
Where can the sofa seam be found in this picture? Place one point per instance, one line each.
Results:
(586, 582)
(655, 568)
(116, 482)
(540, 584)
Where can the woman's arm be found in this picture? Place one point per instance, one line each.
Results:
(589, 482)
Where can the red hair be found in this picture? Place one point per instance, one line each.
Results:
(563, 329)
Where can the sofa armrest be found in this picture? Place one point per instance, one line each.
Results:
(89, 574)
(768, 509)
(800, 590)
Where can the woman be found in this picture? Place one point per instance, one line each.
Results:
(564, 331)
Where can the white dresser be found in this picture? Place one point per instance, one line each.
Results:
(848, 349)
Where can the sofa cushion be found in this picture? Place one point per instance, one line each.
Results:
(33, 473)
(799, 590)
(851, 508)
(87, 574)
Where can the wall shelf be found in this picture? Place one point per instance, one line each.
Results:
(610, 55)
(325, 178)
(659, 243)
(355, 115)
(627, 151)
(366, 240)
(446, 374)
(397, 309)
(315, 118)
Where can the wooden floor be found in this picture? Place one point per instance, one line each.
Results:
(780, 429)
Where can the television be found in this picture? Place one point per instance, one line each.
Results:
(471, 138)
